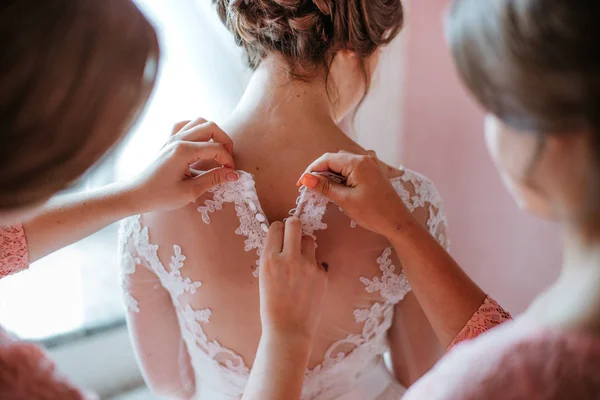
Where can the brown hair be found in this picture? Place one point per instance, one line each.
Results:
(74, 75)
(308, 33)
(535, 64)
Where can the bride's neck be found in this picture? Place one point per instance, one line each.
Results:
(275, 102)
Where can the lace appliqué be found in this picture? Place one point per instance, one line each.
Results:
(14, 256)
(172, 280)
(253, 223)
(310, 209)
(425, 195)
(393, 287)
(128, 263)
(376, 321)
(489, 315)
(356, 349)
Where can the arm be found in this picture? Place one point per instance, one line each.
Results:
(162, 355)
(166, 184)
(13, 250)
(446, 294)
(414, 346)
(70, 218)
(279, 368)
(292, 286)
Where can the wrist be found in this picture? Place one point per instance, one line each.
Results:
(403, 229)
(286, 341)
(128, 198)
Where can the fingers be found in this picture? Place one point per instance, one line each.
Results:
(194, 152)
(293, 236)
(207, 180)
(179, 126)
(196, 122)
(342, 163)
(309, 247)
(206, 132)
(200, 130)
(274, 242)
(325, 186)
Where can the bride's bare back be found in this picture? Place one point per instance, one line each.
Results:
(191, 275)
(192, 287)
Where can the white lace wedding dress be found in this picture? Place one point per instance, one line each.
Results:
(191, 289)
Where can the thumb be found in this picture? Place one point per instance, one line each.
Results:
(209, 179)
(325, 186)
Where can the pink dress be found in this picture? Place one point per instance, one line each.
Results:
(518, 360)
(26, 372)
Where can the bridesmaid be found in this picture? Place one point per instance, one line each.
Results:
(75, 75)
(534, 65)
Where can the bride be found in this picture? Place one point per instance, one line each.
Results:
(190, 275)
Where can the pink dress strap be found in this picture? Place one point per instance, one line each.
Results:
(14, 256)
(489, 315)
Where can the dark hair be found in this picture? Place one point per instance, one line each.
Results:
(74, 76)
(308, 33)
(535, 64)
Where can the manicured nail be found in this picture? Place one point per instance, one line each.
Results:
(233, 176)
(310, 181)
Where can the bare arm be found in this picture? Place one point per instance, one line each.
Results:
(414, 346)
(447, 295)
(292, 287)
(70, 218)
(166, 184)
(279, 368)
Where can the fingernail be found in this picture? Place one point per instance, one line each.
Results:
(233, 176)
(310, 181)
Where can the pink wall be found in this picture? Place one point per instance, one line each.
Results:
(513, 256)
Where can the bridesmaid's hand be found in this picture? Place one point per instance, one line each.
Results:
(169, 183)
(367, 196)
(292, 284)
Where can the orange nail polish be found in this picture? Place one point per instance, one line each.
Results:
(310, 181)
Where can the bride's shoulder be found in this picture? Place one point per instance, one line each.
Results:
(413, 186)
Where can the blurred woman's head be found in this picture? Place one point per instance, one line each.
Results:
(333, 40)
(74, 76)
(534, 65)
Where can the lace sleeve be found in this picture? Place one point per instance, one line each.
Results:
(162, 354)
(423, 199)
(489, 315)
(14, 256)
